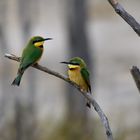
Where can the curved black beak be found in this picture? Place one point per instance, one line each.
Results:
(65, 62)
(47, 39)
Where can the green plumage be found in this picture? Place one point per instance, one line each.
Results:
(85, 75)
(30, 55)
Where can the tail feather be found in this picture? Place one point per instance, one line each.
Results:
(88, 104)
(17, 80)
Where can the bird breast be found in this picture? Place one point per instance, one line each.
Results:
(76, 77)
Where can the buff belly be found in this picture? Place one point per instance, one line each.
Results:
(75, 76)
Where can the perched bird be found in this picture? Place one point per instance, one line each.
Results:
(79, 74)
(30, 56)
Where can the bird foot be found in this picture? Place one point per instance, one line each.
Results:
(81, 90)
(35, 64)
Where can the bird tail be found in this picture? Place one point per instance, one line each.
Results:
(17, 80)
(88, 104)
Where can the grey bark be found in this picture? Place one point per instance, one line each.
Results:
(125, 15)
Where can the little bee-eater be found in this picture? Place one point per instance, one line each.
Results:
(30, 56)
(79, 74)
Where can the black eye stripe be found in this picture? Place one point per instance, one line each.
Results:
(73, 63)
(35, 41)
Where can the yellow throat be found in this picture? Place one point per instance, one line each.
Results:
(75, 76)
(38, 44)
(73, 66)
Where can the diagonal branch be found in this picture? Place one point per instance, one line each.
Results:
(136, 75)
(136, 27)
(97, 108)
(125, 15)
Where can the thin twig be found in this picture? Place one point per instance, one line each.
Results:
(125, 15)
(136, 75)
(97, 108)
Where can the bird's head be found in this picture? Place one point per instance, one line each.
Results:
(38, 41)
(75, 62)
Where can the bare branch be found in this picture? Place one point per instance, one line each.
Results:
(125, 15)
(136, 27)
(136, 75)
(97, 108)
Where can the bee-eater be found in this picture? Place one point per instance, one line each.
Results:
(30, 56)
(78, 73)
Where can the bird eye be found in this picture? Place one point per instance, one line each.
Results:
(36, 41)
(75, 63)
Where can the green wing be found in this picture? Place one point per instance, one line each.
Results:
(29, 57)
(85, 75)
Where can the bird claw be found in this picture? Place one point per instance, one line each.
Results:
(35, 64)
(81, 90)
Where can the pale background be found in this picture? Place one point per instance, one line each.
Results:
(113, 43)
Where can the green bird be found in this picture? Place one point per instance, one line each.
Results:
(78, 73)
(30, 56)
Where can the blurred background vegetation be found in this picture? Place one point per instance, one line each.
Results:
(45, 107)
